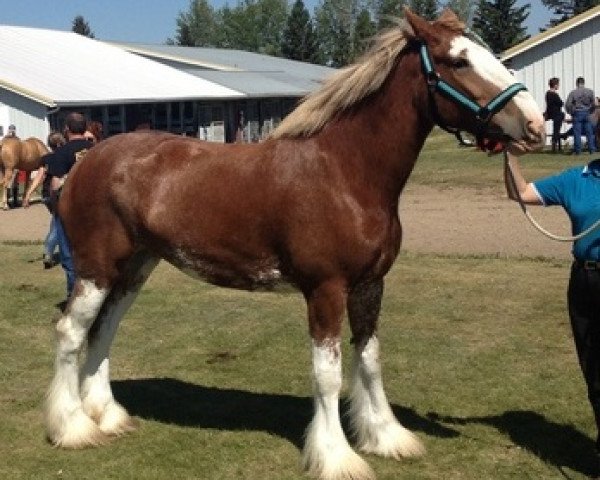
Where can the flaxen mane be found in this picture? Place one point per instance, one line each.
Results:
(353, 83)
(344, 88)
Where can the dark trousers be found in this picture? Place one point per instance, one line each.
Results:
(584, 311)
(557, 122)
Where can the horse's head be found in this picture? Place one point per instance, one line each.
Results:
(469, 88)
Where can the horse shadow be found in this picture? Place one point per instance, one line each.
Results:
(556, 444)
(172, 401)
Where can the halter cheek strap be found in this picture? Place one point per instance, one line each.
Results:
(483, 114)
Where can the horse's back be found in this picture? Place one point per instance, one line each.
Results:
(32, 150)
(33, 147)
(22, 154)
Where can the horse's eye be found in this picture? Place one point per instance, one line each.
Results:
(460, 63)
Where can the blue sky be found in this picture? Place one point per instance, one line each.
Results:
(144, 21)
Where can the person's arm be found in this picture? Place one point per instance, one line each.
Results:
(569, 104)
(39, 178)
(526, 190)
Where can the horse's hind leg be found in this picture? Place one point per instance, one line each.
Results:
(374, 425)
(96, 394)
(66, 423)
(7, 178)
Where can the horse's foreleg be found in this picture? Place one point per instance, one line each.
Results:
(66, 423)
(327, 454)
(96, 394)
(374, 425)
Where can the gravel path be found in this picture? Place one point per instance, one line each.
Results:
(456, 220)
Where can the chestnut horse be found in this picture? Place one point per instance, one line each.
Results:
(20, 155)
(315, 205)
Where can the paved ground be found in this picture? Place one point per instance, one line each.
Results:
(457, 220)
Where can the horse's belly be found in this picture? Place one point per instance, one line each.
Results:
(259, 273)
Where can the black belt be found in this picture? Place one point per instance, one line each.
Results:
(588, 264)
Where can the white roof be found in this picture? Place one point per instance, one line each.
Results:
(60, 68)
(549, 34)
(254, 74)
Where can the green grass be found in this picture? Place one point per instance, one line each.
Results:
(477, 355)
(444, 165)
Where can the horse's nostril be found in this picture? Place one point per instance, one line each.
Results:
(535, 131)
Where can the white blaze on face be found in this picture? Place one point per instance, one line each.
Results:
(491, 70)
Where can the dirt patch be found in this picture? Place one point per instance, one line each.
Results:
(448, 221)
(463, 220)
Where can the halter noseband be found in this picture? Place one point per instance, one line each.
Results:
(482, 114)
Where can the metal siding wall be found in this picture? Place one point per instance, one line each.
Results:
(567, 56)
(28, 116)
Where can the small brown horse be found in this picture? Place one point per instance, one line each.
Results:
(16, 154)
(315, 205)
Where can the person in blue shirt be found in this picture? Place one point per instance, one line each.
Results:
(577, 190)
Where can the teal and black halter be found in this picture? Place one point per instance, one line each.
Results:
(483, 114)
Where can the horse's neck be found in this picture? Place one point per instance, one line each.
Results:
(387, 132)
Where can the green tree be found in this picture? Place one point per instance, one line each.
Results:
(334, 26)
(388, 9)
(426, 8)
(198, 26)
(254, 25)
(272, 19)
(464, 10)
(565, 9)
(364, 29)
(82, 27)
(299, 42)
(500, 23)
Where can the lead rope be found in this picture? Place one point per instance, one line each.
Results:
(559, 238)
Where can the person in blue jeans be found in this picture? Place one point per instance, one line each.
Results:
(579, 104)
(59, 166)
(577, 191)
(55, 140)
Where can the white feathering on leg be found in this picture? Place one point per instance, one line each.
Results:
(327, 454)
(373, 423)
(66, 423)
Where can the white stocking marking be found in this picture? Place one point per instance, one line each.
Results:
(98, 400)
(66, 423)
(373, 422)
(327, 454)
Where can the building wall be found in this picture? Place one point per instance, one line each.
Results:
(27, 115)
(567, 56)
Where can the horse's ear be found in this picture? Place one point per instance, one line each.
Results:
(416, 27)
(448, 16)
(450, 20)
